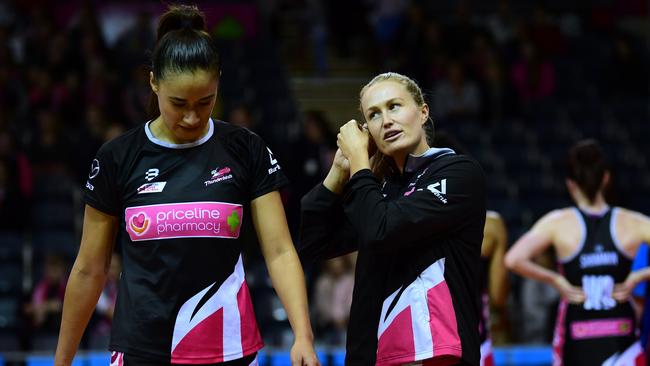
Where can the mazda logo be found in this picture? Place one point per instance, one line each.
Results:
(94, 169)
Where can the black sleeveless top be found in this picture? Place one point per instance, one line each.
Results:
(598, 329)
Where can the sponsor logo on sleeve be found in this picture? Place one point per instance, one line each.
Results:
(184, 220)
(94, 171)
(439, 189)
(274, 163)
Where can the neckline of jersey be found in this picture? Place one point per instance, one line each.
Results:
(415, 162)
(596, 213)
(171, 145)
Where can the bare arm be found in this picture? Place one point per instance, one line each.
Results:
(641, 224)
(285, 272)
(644, 228)
(623, 291)
(520, 259)
(498, 285)
(86, 281)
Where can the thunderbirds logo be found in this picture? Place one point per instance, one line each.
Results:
(219, 175)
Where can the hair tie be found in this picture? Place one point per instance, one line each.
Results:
(186, 23)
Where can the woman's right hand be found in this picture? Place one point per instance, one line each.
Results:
(570, 293)
(303, 354)
(341, 163)
(339, 173)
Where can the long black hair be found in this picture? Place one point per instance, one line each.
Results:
(183, 45)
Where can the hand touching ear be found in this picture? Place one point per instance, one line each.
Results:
(353, 140)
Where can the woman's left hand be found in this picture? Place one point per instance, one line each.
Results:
(622, 291)
(353, 142)
(303, 354)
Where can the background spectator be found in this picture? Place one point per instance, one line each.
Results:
(455, 97)
(333, 297)
(46, 305)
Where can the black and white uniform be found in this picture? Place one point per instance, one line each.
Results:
(182, 294)
(416, 291)
(600, 331)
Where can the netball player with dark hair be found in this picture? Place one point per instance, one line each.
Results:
(174, 193)
(416, 216)
(595, 245)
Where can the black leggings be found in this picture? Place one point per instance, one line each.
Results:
(130, 360)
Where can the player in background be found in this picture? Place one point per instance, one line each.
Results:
(595, 245)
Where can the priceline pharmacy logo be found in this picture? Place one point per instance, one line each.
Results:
(139, 223)
(184, 220)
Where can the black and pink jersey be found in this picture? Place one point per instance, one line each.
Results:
(182, 295)
(487, 357)
(417, 279)
(599, 331)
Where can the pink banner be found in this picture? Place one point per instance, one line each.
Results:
(601, 328)
(184, 220)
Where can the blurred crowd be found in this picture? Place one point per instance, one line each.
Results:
(71, 80)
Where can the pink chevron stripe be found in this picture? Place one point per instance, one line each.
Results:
(253, 341)
(397, 340)
(444, 327)
(203, 344)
